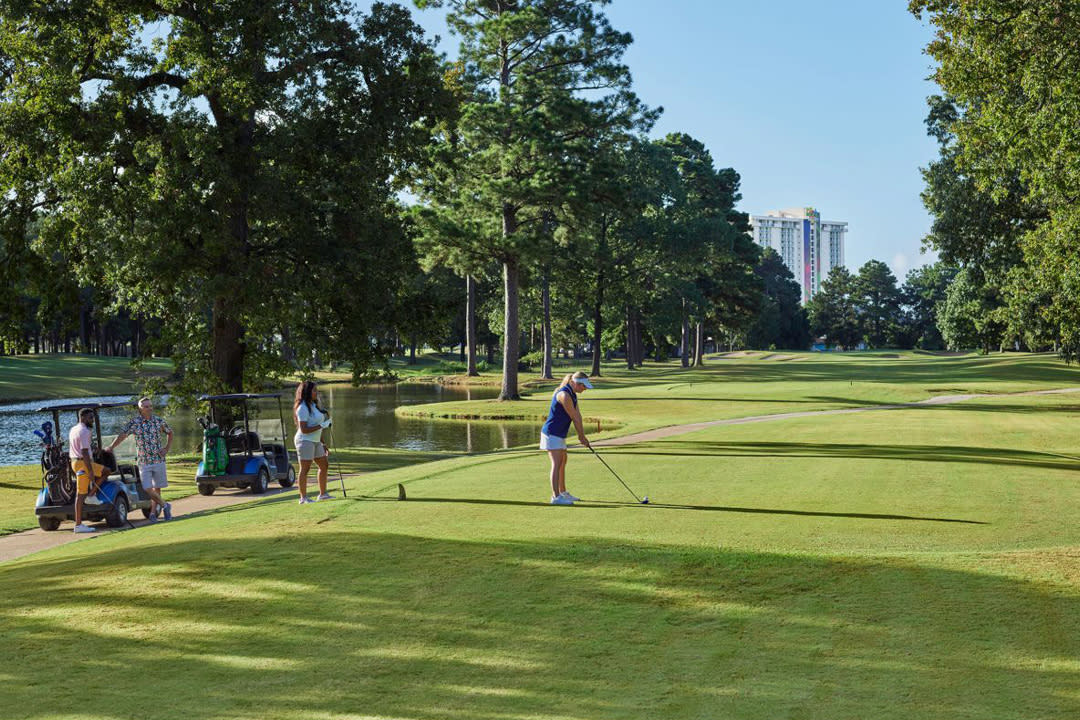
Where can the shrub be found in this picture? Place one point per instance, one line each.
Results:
(530, 360)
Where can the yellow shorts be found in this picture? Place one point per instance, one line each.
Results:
(82, 478)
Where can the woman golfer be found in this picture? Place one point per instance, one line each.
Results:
(563, 411)
(310, 421)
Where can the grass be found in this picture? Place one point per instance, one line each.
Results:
(20, 484)
(447, 368)
(666, 394)
(35, 377)
(915, 563)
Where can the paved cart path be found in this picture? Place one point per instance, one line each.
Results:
(20, 544)
(17, 545)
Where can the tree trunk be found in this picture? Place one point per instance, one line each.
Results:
(638, 340)
(511, 333)
(546, 291)
(629, 341)
(412, 350)
(228, 348)
(598, 316)
(598, 323)
(84, 327)
(699, 350)
(470, 324)
(684, 342)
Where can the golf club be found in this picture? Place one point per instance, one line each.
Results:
(337, 464)
(642, 500)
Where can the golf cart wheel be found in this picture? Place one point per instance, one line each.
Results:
(289, 480)
(118, 516)
(48, 524)
(206, 489)
(261, 482)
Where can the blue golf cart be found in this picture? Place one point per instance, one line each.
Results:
(254, 458)
(118, 494)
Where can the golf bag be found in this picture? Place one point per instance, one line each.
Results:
(215, 456)
(57, 474)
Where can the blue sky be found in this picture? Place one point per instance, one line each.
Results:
(813, 103)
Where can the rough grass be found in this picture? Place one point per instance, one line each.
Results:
(20, 484)
(33, 377)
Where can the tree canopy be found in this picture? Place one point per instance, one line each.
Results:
(227, 168)
(1005, 190)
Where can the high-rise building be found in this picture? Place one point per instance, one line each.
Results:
(809, 246)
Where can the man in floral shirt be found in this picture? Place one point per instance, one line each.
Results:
(149, 454)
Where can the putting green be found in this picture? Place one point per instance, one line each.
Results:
(916, 563)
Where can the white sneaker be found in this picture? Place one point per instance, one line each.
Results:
(561, 500)
(305, 501)
(80, 528)
(326, 496)
(569, 497)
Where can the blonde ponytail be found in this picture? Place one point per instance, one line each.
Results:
(572, 377)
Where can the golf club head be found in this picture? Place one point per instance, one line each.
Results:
(645, 500)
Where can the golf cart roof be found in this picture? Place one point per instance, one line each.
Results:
(239, 396)
(80, 406)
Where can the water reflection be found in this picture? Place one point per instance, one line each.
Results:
(362, 417)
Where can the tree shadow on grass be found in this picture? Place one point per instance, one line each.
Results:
(332, 623)
(927, 453)
(611, 504)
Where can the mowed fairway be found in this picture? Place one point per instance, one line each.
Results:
(912, 563)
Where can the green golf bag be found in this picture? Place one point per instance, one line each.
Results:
(215, 456)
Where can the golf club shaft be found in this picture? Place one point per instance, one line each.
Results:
(615, 474)
(337, 465)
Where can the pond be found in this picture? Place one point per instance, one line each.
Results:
(363, 417)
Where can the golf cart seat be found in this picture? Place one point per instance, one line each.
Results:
(240, 441)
